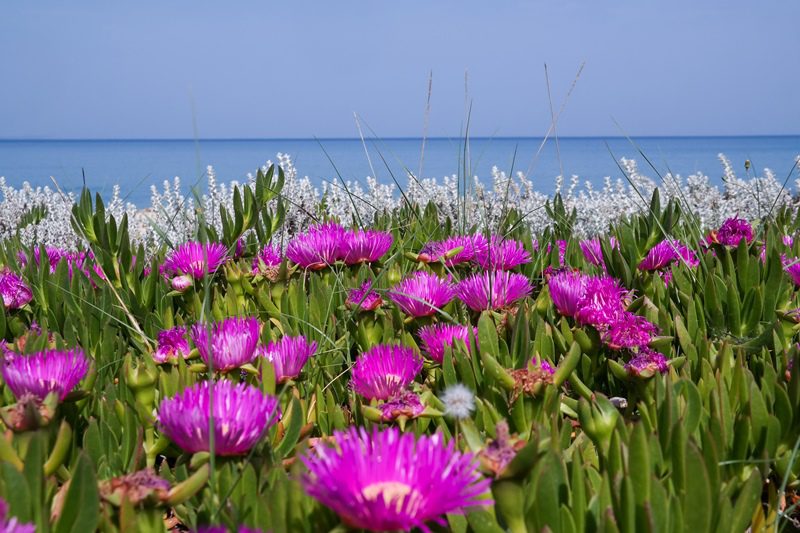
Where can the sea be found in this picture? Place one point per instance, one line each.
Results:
(136, 165)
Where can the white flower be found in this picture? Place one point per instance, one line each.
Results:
(459, 402)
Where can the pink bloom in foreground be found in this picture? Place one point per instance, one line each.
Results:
(288, 356)
(503, 255)
(195, 259)
(392, 481)
(14, 290)
(365, 246)
(317, 248)
(41, 373)
(172, 343)
(228, 344)
(435, 337)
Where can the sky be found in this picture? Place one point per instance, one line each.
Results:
(254, 69)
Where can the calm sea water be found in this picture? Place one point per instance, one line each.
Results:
(136, 165)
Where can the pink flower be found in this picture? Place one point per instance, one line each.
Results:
(195, 259)
(421, 294)
(384, 371)
(455, 250)
(436, 337)
(318, 248)
(503, 255)
(647, 363)
(628, 331)
(172, 343)
(567, 290)
(364, 297)
(493, 290)
(268, 262)
(288, 356)
(603, 302)
(14, 290)
(593, 250)
(365, 246)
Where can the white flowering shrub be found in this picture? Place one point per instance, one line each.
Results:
(173, 214)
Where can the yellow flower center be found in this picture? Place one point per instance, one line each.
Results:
(392, 492)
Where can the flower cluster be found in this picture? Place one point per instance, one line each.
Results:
(325, 244)
(493, 290)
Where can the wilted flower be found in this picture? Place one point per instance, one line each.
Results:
(267, 262)
(567, 289)
(384, 371)
(365, 246)
(628, 331)
(14, 290)
(421, 294)
(405, 404)
(44, 372)
(388, 480)
(459, 401)
(10, 524)
(531, 379)
(136, 488)
(435, 337)
(501, 450)
(493, 290)
(195, 259)
(288, 356)
(172, 343)
(317, 248)
(242, 414)
(646, 363)
(503, 255)
(232, 344)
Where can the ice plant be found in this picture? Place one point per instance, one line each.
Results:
(242, 414)
(593, 251)
(41, 373)
(14, 290)
(405, 404)
(435, 337)
(384, 371)
(666, 253)
(567, 289)
(628, 331)
(493, 290)
(646, 363)
(603, 302)
(364, 297)
(195, 259)
(365, 246)
(503, 255)
(731, 232)
(421, 294)
(455, 250)
(288, 356)
(317, 248)
(171, 343)
(267, 262)
(392, 481)
(792, 268)
(232, 342)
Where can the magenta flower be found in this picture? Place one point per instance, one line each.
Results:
(647, 363)
(493, 290)
(562, 249)
(10, 524)
(365, 246)
(267, 262)
(628, 331)
(793, 269)
(195, 259)
(543, 365)
(603, 302)
(567, 289)
(732, 231)
(421, 294)
(435, 337)
(41, 373)
(242, 415)
(503, 255)
(384, 371)
(593, 250)
(288, 356)
(317, 248)
(666, 253)
(14, 290)
(232, 344)
(172, 343)
(455, 250)
(364, 297)
(54, 255)
(391, 481)
(405, 404)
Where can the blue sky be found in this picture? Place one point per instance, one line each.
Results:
(147, 69)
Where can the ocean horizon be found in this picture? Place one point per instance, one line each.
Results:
(138, 164)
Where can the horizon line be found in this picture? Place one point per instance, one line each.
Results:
(393, 138)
